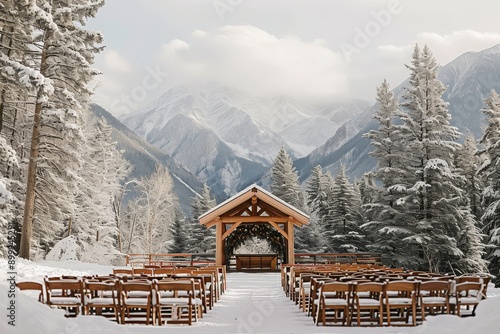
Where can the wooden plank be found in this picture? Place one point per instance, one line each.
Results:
(219, 249)
(283, 233)
(231, 229)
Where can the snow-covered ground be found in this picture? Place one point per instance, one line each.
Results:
(253, 303)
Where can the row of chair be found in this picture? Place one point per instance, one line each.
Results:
(300, 284)
(219, 273)
(181, 298)
(385, 302)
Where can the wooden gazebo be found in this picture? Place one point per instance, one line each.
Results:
(253, 205)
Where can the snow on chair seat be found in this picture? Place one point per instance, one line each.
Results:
(101, 296)
(144, 300)
(467, 294)
(435, 296)
(405, 301)
(68, 295)
(182, 302)
(368, 296)
(337, 301)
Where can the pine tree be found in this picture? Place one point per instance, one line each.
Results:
(179, 235)
(342, 229)
(285, 181)
(285, 185)
(467, 163)
(101, 174)
(63, 51)
(432, 202)
(386, 224)
(491, 171)
(202, 240)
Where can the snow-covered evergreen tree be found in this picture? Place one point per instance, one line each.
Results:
(386, 224)
(467, 163)
(433, 202)
(202, 240)
(491, 195)
(101, 174)
(285, 185)
(56, 75)
(285, 181)
(342, 225)
(179, 232)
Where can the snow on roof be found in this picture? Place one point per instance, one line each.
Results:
(250, 189)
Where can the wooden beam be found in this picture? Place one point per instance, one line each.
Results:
(291, 251)
(213, 222)
(231, 229)
(253, 219)
(219, 244)
(254, 205)
(239, 209)
(271, 210)
(283, 233)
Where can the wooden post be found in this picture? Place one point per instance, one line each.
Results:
(291, 252)
(219, 249)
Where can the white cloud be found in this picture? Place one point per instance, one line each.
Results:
(253, 60)
(115, 62)
(444, 47)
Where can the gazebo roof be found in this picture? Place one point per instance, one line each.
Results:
(299, 217)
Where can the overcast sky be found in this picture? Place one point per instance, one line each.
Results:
(314, 50)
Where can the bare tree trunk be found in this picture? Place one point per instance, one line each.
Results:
(70, 225)
(29, 205)
(116, 210)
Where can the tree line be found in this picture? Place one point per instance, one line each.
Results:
(431, 203)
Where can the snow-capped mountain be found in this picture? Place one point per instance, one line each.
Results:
(226, 138)
(469, 78)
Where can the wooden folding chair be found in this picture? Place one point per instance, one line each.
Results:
(66, 294)
(314, 294)
(401, 295)
(32, 286)
(368, 296)
(126, 272)
(135, 295)
(467, 294)
(178, 297)
(435, 296)
(334, 297)
(142, 271)
(164, 271)
(101, 296)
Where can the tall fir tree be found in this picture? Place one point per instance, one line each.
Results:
(432, 200)
(61, 55)
(491, 195)
(179, 232)
(285, 181)
(285, 185)
(385, 220)
(202, 239)
(467, 163)
(101, 174)
(342, 225)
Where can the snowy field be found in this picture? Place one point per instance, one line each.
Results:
(253, 303)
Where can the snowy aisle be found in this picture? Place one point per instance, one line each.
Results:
(253, 303)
